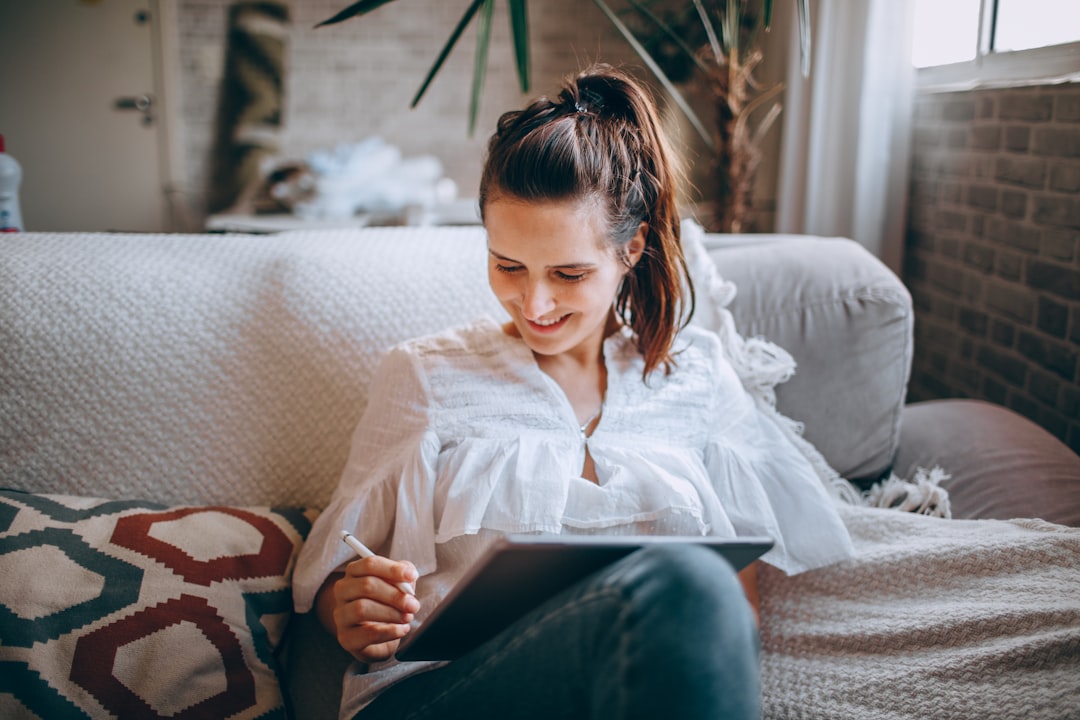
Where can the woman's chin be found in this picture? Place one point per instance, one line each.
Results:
(543, 339)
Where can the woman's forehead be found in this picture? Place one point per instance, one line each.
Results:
(532, 225)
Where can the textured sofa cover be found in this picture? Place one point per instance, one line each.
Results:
(182, 371)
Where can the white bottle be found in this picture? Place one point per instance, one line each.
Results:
(10, 178)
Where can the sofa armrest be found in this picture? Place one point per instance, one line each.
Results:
(848, 322)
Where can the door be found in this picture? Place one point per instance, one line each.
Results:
(75, 80)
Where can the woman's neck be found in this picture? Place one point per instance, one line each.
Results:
(583, 381)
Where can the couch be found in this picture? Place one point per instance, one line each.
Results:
(175, 409)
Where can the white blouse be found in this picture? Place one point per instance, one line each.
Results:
(465, 438)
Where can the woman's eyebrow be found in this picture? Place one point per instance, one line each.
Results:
(566, 266)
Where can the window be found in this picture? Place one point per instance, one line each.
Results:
(1027, 24)
(996, 42)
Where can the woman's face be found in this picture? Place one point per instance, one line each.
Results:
(552, 268)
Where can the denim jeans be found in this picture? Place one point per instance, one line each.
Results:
(664, 633)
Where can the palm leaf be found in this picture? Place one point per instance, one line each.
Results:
(804, 36)
(483, 42)
(743, 119)
(733, 26)
(761, 24)
(359, 8)
(718, 53)
(643, 9)
(462, 24)
(519, 28)
(655, 69)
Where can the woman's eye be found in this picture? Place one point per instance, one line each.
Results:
(508, 268)
(568, 277)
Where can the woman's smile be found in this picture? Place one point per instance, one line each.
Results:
(549, 325)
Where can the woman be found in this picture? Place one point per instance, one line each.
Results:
(595, 409)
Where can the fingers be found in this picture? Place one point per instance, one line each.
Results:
(372, 642)
(371, 613)
(392, 571)
(378, 579)
(368, 610)
(369, 629)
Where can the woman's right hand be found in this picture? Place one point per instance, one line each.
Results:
(366, 610)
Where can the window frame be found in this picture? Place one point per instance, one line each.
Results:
(1037, 66)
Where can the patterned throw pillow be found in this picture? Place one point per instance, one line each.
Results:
(130, 609)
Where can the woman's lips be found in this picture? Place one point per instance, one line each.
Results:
(547, 328)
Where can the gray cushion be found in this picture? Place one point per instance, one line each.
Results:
(848, 322)
(1002, 464)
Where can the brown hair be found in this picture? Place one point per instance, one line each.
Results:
(601, 140)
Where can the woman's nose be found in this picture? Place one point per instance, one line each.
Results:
(538, 300)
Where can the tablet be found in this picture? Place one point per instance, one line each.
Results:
(519, 572)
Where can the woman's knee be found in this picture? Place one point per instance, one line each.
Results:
(686, 634)
(689, 568)
(686, 583)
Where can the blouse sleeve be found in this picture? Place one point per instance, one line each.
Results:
(766, 483)
(385, 494)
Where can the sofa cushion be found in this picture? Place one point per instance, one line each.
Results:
(133, 609)
(845, 318)
(1001, 465)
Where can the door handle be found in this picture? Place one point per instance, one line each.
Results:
(143, 103)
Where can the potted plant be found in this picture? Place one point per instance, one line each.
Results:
(716, 42)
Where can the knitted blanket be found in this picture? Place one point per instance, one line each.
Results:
(933, 618)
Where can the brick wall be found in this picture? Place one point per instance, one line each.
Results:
(993, 251)
(349, 82)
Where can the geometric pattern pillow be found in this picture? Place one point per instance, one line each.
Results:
(130, 609)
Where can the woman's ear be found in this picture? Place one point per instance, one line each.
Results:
(636, 247)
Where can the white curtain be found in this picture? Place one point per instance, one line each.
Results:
(847, 127)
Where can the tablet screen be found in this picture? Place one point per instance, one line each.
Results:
(519, 572)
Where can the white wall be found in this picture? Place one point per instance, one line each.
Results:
(355, 80)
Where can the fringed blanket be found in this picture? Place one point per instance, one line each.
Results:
(934, 618)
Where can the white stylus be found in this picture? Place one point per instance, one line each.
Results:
(363, 551)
